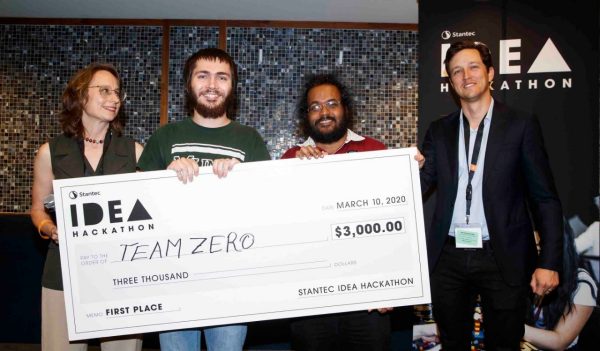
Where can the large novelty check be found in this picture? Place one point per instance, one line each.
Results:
(144, 252)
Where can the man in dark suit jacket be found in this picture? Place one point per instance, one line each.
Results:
(481, 240)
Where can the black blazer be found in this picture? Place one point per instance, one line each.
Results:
(518, 189)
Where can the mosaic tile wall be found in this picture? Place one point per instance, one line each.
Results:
(380, 66)
(36, 62)
(183, 42)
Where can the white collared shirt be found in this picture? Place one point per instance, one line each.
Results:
(460, 204)
(350, 136)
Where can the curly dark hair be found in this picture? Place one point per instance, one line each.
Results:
(210, 54)
(559, 303)
(75, 97)
(456, 47)
(323, 79)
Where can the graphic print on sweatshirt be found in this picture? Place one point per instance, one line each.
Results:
(204, 154)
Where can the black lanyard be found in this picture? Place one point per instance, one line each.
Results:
(472, 166)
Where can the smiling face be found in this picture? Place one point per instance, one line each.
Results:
(327, 123)
(211, 86)
(97, 106)
(469, 76)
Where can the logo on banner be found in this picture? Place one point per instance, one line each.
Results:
(447, 34)
(96, 218)
(548, 60)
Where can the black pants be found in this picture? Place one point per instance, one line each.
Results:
(342, 331)
(459, 276)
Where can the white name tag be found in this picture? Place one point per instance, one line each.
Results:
(468, 236)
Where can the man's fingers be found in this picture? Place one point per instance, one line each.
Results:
(185, 169)
(310, 152)
(221, 167)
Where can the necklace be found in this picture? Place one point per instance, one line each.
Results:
(93, 141)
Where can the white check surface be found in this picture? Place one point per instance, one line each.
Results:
(143, 252)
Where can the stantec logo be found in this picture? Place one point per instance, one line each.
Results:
(447, 34)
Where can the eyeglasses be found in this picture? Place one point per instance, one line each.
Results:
(106, 91)
(329, 104)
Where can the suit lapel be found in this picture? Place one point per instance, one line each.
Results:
(498, 129)
(451, 141)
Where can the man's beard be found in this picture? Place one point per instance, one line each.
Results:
(330, 137)
(215, 111)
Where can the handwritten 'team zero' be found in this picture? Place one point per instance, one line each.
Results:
(193, 246)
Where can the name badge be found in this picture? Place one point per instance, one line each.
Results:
(468, 236)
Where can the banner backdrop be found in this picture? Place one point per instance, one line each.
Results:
(546, 61)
